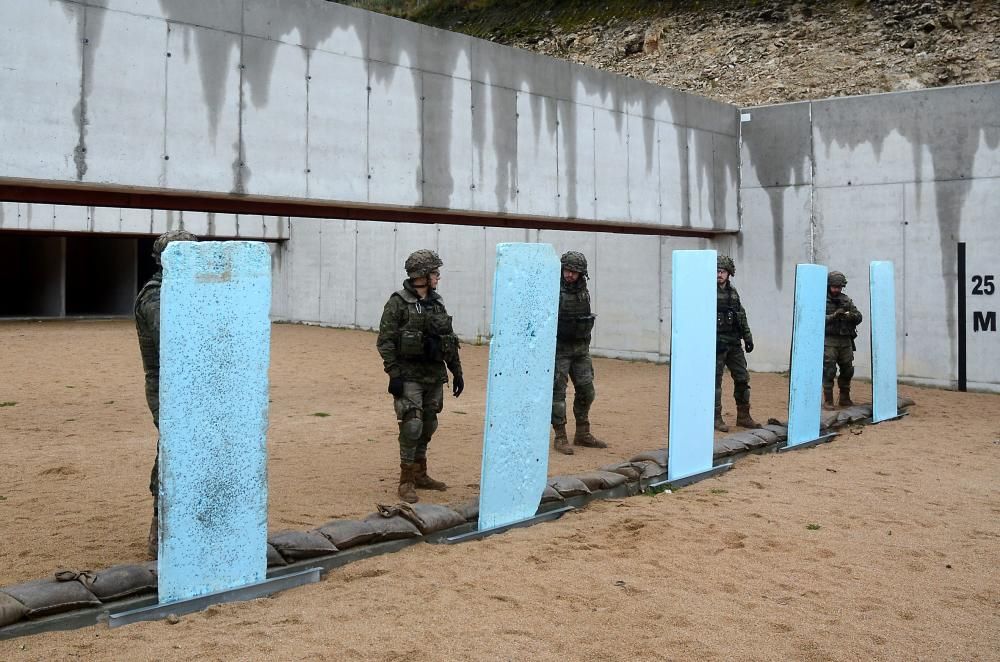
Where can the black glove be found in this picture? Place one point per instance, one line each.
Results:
(395, 386)
(457, 385)
(749, 345)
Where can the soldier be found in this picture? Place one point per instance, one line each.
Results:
(731, 327)
(842, 319)
(416, 342)
(147, 325)
(573, 356)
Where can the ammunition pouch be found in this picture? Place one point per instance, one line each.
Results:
(575, 327)
(411, 343)
(725, 320)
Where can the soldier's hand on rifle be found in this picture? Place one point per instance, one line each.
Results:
(457, 385)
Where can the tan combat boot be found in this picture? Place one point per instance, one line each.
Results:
(152, 542)
(407, 491)
(584, 438)
(828, 398)
(743, 418)
(561, 441)
(845, 397)
(425, 482)
(720, 424)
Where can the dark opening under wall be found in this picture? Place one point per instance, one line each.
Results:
(100, 275)
(31, 270)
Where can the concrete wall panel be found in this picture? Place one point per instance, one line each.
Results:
(339, 269)
(463, 286)
(611, 189)
(394, 125)
(218, 14)
(313, 24)
(537, 155)
(447, 142)
(672, 154)
(643, 171)
(627, 301)
(775, 149)
(137, 221)
(304, 256)
(379, 275)
(494, 152)
(576, 160)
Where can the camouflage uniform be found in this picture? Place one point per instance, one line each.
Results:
(732, 327)
(147, 326)
(576, 322)
(842, 320)
(416, 341)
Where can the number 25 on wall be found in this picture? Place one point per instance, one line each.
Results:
(983, 285)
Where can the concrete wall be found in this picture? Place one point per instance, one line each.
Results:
(310, 101)
(899, 177)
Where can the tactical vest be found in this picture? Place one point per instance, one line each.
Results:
(839, 326)
(576, 322)
(149, 338)
(427, 333)
(727, 312)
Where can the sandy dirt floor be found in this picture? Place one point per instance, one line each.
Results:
(904, 563)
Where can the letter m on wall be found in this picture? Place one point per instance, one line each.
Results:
(982, 321)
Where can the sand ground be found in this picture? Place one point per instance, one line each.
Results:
(904, 563)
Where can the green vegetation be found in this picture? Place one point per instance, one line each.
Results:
(719, 490)
(9, 403)
(320, 414)
(813, 527)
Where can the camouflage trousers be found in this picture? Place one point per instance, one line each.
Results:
(578, 367)
(841, 356)
(416, 414)
(731, 356)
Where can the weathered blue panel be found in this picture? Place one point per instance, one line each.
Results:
(881, 279)
(692, 363)
(519, 386)
(214, 354)
(808, 329)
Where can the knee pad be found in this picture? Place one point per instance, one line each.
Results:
(586, 393)
(412, 426)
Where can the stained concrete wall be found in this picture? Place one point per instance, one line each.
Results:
(310, 101)
(899, 177)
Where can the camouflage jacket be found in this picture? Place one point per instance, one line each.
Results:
(416, 339)
(731, 317)
(576, 321)
(843, 328)
(147, 325)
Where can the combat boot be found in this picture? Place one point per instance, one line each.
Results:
(845, 397)
(828, 398)
(407, 488)
(425, 482)
(720, 424)
(743, 418)
(152, 542)
(584, 438)
(561, 442)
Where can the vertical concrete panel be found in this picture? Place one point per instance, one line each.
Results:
(692, 364)
(726, 177)
(203, 115)
(537, 159)
(394, 134)
(493, 237)
(196, 222)
(519, 385)
(274, 119)
(643, 171)
(702, 179)
(379, 273)
(339, 272)
(576, 160)
(70, 218)
(338, 127)
(213, 417)
(447, 142)
(317, 24)
(883, 336)
(305, 256)
(40, 125)
(808, 331)
(126, 59)
(611, 179)
(219, 14)
(137, 221)
(462, 281)
(671, 148)
(494, 148)
(627, 303)
(105, 219)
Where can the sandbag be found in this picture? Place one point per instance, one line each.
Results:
(627, 469)
(550, 494)
(728, 446)
(51, 596)
(601, 480)
(428, 517)
(659, 456)
(781, 431)
(345, 534)
(904, 402)
(828, 419)
(11, 610)
(766, 435)
(274, 558)
(470, 509)
(299, 545)
(750, 439)
(569, 486)
(858, 413)
(392, 528)
(118, 581)
(649, 469)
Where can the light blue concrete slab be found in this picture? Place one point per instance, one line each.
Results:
(881, 279)
(519, 386)
(692, 363)
(214, 354)
(808, 329)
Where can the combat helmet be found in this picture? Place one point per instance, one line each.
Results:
(170, 235)
(836, 279)
(422, 262)
(726, 262)
(574, 261)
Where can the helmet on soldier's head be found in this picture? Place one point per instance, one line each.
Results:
(422, 262)
(836, 279)
(726, 262)
(171, 235)
(574, 261)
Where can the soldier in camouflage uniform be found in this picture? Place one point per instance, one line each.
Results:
(731, 327)
(416, 341)
(842, 319)
(573, 356)
(147, 325)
